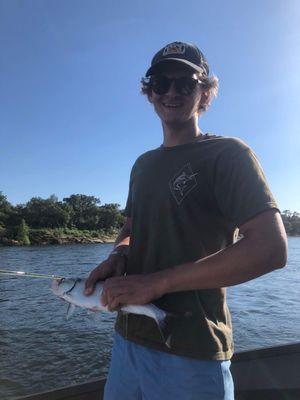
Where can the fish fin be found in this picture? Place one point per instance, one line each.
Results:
(70, 311)
(165, 327)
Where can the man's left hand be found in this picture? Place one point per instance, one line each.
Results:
(131, 289)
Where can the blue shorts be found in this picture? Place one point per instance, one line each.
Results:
(139, 373)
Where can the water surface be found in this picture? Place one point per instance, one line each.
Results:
(41, 350)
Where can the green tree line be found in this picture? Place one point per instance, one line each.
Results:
(76, 212)
(291, 220)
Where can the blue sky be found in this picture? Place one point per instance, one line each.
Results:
(72, 119)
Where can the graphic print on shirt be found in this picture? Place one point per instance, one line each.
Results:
(182, 183)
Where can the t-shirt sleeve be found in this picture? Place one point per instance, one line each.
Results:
(241, 188)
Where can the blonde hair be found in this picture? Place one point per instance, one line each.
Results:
(209, 85)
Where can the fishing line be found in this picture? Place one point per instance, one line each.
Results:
(29, 274)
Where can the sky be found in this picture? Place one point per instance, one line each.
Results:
(72, 119)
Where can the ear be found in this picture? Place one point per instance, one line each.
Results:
(203, 99)
(149, 95)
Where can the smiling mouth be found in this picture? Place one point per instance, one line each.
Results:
(172, 105)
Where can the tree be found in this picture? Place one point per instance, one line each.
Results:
(46, 213)
(6, 210)
(110, 217)
(291, 222)
(22, 235)
(295, 222)
(84, 210)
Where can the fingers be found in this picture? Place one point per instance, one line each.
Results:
(98, 274)
(91, 282)
(118, 291)
(115, 293)
(117, 303)
(122, 290)
(105, 270)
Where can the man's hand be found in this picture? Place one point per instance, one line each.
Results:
(131, 289)
(114, 266)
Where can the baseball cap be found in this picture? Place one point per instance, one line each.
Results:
(185, 53)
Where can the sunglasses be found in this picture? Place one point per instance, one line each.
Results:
(184, 85)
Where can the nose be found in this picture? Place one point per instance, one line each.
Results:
(172, 89)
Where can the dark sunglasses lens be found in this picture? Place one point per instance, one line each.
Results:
(160, 84)
(185, 85)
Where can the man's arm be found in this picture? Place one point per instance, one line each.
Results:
(123, 239)
(115, 263)
(262, 249)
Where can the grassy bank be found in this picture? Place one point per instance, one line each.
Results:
(46, 236)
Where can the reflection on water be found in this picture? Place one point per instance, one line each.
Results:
(41, 350)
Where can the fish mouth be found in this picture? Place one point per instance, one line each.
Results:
(55, 284)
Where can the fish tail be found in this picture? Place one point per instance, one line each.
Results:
(165, 327)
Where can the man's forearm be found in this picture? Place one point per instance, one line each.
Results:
(123, 238)
(231, 266)
(262, 249)
(256, 254)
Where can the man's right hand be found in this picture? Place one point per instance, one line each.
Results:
(114, 265)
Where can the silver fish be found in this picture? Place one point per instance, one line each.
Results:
(72, 291)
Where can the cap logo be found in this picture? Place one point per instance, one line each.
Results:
(174, 48)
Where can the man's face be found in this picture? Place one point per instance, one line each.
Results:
(173, 107)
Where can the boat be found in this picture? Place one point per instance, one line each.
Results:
(271, 373)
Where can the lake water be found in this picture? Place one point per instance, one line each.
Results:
(41, 350)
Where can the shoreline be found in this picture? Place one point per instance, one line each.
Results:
(45, 237)
(15, 243)
(65, 239)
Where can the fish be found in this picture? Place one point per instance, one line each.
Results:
(72, 291)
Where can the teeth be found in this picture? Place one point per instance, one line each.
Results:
(171, 105)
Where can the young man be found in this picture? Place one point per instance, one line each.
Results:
(186, 201)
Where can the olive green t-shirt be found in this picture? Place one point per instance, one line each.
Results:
(186, 203)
